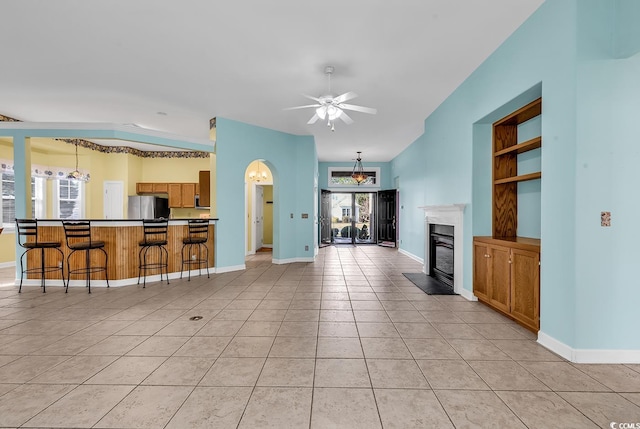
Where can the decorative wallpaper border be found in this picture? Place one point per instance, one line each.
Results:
(124, 149)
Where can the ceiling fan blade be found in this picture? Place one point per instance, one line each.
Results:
(369, 110)
(301, 107)
(313, 119)
(344, 97)
(345, 118)
(312, 98)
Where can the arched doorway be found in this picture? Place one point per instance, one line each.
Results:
(258, 207)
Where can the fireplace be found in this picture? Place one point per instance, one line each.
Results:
(441, 253)
(451, 215)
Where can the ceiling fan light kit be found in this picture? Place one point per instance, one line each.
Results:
(330, 108)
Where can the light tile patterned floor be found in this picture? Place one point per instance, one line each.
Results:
(346, 342)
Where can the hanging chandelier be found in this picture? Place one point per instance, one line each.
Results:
(258, 176)
(358, 173)
(77, 174)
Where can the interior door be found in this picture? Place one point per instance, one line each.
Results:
(113, 200)
(325, 218)
(259, 219)
(387, 218)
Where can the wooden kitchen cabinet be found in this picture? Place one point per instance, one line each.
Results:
(151, 188)
(506, 276)
(160, 188)
(175, 195)
(144, 188)
(204, 190)
(182, 195)
(188, 195)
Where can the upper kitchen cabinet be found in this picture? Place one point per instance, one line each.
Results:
(152, 188)
(182, 195)
(204, 191)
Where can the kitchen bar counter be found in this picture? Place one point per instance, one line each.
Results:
(121, 237)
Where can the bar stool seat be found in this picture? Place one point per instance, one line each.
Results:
(28, 239)
(154, 236)
(198, 235)
(79, 238)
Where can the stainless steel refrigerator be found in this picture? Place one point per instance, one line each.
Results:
(147, 207)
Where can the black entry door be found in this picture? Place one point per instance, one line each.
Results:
(325, 218)
(387, 218)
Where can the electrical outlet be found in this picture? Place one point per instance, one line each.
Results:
(306, 248)
(60, 264)
(193, 257)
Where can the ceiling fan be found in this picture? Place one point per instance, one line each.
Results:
(330, 108)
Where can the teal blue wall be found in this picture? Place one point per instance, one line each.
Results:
(293, 163)
(607, 178)
(451, 162)
(572, 53)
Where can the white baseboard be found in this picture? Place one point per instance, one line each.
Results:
(468, 295)
(292, 260)
(230, 268)
(411, 255)
(7, 264)
(589, 355)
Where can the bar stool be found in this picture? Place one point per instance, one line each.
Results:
(155, 236)
(28, 239)
(78, 235)
(198, 235)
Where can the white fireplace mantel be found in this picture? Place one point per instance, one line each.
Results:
(450, 214)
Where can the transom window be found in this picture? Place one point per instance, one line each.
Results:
(341, 177)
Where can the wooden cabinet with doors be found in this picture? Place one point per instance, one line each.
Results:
(204, 190)
(506, 267)
(151, 188)
(182, 195)
(506, 276)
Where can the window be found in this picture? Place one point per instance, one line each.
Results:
(346, 211)
(340, 177)
(69, 199)
(8, 209)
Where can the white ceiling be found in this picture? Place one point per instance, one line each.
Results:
(173, 65)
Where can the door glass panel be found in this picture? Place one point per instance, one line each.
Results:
(364, 216)
(352, 217)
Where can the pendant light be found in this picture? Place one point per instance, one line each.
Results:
(258, 176)
(358, 171)
(76, 174)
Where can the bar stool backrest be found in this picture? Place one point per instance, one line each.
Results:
(77, 232)
(155, 230)
(27, 231)
(198, 229)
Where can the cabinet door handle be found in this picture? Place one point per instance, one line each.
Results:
(487, 256)
(509, 260)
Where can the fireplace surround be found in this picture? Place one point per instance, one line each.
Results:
(453, 215)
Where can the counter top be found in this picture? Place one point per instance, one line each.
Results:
(124, 220)
(120, 222)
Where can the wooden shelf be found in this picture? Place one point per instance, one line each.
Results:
(522, 178)
(532, 144)
(523, 114)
